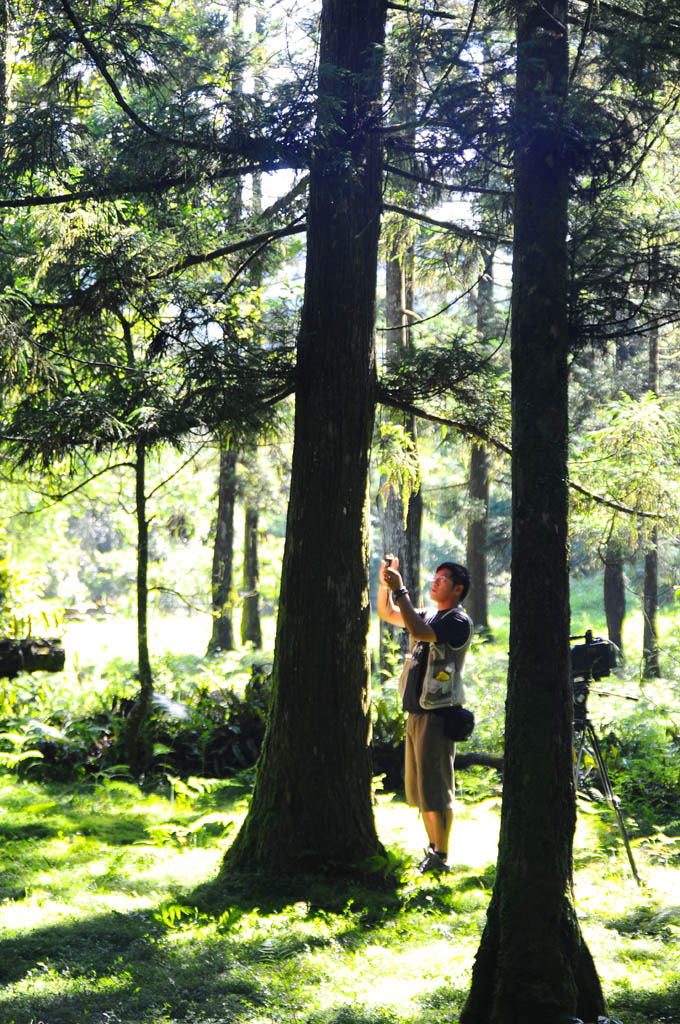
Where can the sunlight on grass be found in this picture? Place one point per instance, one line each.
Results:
(98, 923)
(474, 834)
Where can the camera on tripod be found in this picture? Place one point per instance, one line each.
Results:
(593, 659)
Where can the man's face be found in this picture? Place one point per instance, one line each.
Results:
(443, 587)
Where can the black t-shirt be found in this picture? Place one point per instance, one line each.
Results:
(451, 626)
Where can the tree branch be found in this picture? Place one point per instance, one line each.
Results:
(132, 187)
(428, 12)
(477, 190)
(194, 259)
(179, 469)
(456, 229)
(643, 19)
(55, 499)
(210, 146)
(614, 505)
(100, 64)
(175, 593)
(470, 430)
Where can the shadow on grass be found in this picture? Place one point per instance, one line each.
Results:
(133, 968)
(94, 823)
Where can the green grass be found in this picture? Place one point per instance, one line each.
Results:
(104, 917)
(109, 913)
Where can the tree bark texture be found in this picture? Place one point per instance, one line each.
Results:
(650, 638)
(476, 603)
(614, 595)
(311, 807)
(4, 32)
(533, 965)
(251, 629)
(222, 637)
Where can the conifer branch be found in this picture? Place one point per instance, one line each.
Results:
(480, 434)
(100, 64)
(428, 12)
(194, 259)
(477, 190)
(444, 225)
(105, 193)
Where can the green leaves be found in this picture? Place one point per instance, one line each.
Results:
(630, 458)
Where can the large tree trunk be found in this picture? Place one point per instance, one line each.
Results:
(251, 629)
(311, 807)
(533, 965)
(222, 637)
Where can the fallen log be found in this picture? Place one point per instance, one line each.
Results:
(473, 758)
(33, 654)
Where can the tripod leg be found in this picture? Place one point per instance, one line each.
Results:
(579, 743)
(612, 799)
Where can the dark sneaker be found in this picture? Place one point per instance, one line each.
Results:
(432, 862)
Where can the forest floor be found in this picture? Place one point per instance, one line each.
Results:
(103, 917)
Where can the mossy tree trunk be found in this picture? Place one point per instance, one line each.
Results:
(311, 806)
(533, 964)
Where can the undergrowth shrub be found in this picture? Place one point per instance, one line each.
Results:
(208, 721)
(642, 755)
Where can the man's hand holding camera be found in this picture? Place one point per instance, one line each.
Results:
(389, 574)
(394, 605)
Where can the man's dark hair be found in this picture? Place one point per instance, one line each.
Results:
(459, 574)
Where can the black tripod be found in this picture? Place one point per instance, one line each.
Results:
(585, 740)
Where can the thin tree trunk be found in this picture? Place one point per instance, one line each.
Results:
(311, 806)
(614, 595)
(414, 515)
(650, 638)
(251, 629)
(400, 537)
(533, 965)
(4, 31)
(136, 738)
(222, 637)
(477, 602)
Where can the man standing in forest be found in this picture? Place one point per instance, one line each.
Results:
(430, 752)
